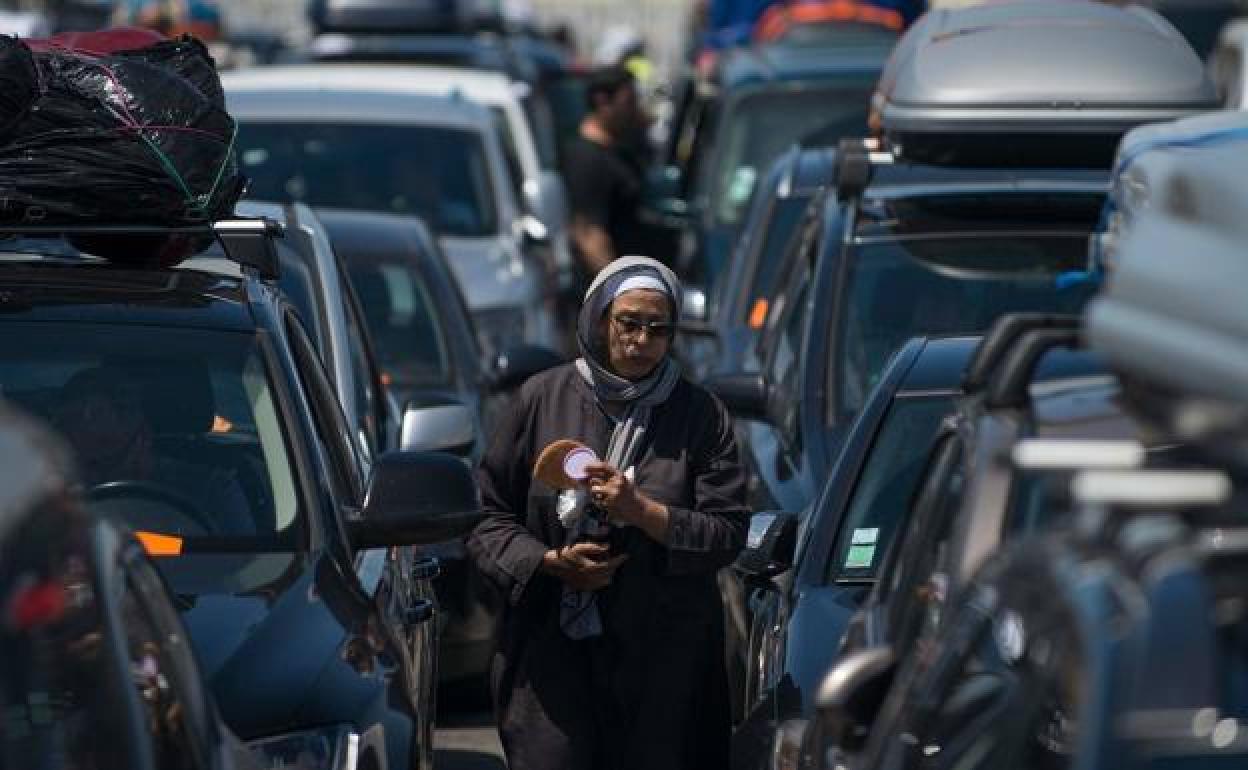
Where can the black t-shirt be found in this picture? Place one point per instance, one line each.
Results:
(604, 188)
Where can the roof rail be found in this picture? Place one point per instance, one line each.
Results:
(1002, 337)
(856, 160)
(1009, 383)
(246, 241)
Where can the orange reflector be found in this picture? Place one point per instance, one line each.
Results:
(758, 313)
(386, 379)
(221, 425)
(160, 545)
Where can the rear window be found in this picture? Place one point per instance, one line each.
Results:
(409, 340)
(440, 174)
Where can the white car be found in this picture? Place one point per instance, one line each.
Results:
(363, 137)
(541, 189)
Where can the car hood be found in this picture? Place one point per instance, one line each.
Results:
(264, 647)
(492, 272)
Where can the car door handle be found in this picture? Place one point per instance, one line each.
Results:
(421, 611)
(427, 568)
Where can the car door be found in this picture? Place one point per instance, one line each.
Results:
(386, 575)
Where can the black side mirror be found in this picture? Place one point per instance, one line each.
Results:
(417, 498)
(851, 695)
(770, 545)
(745, 395)
(515, 365)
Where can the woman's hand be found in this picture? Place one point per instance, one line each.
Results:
(615, 493)
(583, 566)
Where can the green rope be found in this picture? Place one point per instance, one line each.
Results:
(169, 168)
(199, 203)
(225, 161)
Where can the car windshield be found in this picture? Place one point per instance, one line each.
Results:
(175, 431)
(901, 287)
(765, 124)
(398, 309)
(885, 488)
(438, 173)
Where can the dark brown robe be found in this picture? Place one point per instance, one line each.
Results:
(651, 692)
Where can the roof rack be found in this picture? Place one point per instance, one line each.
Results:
(246, 241)
(855, 164)
(1008, 386)
(1001, 339)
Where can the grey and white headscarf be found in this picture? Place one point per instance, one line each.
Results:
(628, 401)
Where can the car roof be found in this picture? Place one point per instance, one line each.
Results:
(486, 87)
(779, 63)
(1087, 406)
(354, 93)
(902, 179)
(939, 366)
(80, 291)
(801, 171)
(371, 235)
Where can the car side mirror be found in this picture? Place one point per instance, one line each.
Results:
(744, 394)
(530, 230)
(694, 305)
(851, 695)
(448, 427)
(546, 199)
(770, 545)
(417, 498)
(515, 365)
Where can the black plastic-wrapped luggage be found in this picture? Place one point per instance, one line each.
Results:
(1035, 82)
(115, 127)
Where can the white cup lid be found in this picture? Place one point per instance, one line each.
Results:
(577, 461)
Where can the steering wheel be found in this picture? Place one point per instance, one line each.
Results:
(159, 493)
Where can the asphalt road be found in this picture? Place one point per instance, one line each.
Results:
(466, 738)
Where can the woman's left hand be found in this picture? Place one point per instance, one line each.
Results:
(615, 493)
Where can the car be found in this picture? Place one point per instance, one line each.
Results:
(810, 588)
(355, 136)
(316, 283)
(805, 576)
(201, 415)
(432, 363)
(737, 309)
(923, 250)
(997, 474)
(97, 668)
(760, 101)
(1092, 647)
(530, 166)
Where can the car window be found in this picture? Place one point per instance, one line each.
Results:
(152, 647)
(898, 288)
(367, 403)
(174, 430)
(784, 367)
(759, 126)
(441, 174)
(879, 504)
(331, 426)
(62, 693)
(777, 233)
(511, 155)
(401, 317)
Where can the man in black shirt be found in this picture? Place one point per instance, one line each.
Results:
(604, 180)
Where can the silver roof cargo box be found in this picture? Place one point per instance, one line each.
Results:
(1174, 313)
(1036, 82)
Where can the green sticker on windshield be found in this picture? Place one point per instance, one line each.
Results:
(859, 556)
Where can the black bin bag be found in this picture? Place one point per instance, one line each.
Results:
(119, 127)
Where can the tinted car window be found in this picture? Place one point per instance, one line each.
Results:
(175, 430)
(784, 368)
(898, 288)
(410, 342)
(785, 217)
(438, 173)
(511, 155)
(885, 487)
(764, 124)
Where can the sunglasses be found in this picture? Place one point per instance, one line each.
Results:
(633, 326)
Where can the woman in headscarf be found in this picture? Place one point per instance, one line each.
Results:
(611, 647)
